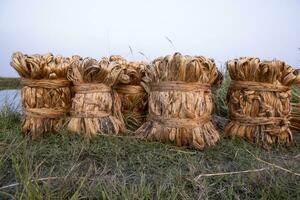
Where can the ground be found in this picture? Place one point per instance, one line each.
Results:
(66, 166)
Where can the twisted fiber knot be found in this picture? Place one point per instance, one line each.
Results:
(89, 114)
(247, 120)
(84, 88)
(45, 83)
(181, 122)
(45, 112)
(180, 86)
(258, 86)
(130, 89)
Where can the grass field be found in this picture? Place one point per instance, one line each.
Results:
(66, 166)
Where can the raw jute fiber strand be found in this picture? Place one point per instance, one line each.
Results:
(45, 93)
(96, 107)
(133, 96)
(259, 101)
(180, 101)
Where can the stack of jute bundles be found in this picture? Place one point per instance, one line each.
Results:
(180, 101)
(96, 107)
(131, 92)
(45, 92)
(259, 100)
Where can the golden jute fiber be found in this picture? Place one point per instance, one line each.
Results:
(259, 101)
(45, 93)
(180, 101)
(132, 94)
(96, 107)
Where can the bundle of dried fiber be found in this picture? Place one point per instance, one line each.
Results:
(180, 101)
(259, 100)
(45, 93)
(96, 108)
(133, 96)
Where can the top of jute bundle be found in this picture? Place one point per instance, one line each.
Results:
(133, 72)
(177, 70)
(130, 80)
(37, 66)
(272, 75)
(91, 71)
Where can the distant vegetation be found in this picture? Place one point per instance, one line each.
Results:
(9, 83)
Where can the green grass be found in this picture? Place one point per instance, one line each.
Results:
(9, 83)
(296, 94)
(65, 166)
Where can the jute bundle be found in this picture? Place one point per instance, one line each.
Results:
(180, 101)
(259, 100)
(133, 95)
(45, 92)
(96, 108)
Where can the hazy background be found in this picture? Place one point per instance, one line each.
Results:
(219, 29)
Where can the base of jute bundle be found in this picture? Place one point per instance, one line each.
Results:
(134, 105)
(180, 113)
(45, 104)
(95, 110)
(259, 112)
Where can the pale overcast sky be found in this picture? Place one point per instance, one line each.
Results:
(221, 29)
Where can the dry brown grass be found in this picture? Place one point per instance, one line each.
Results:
(259, 100)
(45, 92)
(180, 101)
(96, 107)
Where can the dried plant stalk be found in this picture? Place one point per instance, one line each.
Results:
(96, 108)
(133, 96)
(180, 101)
(259, 100)
(45, 93)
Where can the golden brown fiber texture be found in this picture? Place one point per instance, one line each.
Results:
(180, 101)
(133, 96)
(45, 93)
(259, 101)
(96, 108)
